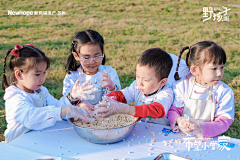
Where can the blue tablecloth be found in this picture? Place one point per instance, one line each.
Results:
(61, 140)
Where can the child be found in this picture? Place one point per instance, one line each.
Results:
(28, 104)
(86, 63)
(150, 91)
(202, 97)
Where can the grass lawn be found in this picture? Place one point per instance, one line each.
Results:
(128, 27)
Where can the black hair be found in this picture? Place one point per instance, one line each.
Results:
(201, 53)
(27, 59)
(160, 60)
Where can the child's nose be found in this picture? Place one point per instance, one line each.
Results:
(140, 83)
(219, 72)
(92, 61)
(42, 79)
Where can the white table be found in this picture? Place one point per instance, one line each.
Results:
(10, 152)
(61, 140)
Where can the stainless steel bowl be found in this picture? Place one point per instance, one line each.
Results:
(104, 136)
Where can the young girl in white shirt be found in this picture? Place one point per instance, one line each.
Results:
(28, 105)
(86, 64)
(203, 104)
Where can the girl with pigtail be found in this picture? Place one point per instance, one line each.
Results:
(203, 105)
(86, 65)
(28, 104)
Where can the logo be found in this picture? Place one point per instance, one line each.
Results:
(198, 145)
(220, 16)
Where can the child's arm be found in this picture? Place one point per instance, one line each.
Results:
(20, 109)
(126, 95)
(68, 82)
(173, 114)
(217, 127)
(114, 76)
(155, 110)
(224, 116)
(119, 96)
(159, 107)
(50, 100)
(177, 107)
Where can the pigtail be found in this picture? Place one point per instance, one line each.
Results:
(176, 75)
(71, 64)
(4, 79)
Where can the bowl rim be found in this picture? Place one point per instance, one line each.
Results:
(70, 121)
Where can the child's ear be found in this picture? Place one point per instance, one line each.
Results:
(18, 74)
(163, 82)
(193, 70)
(75, 55)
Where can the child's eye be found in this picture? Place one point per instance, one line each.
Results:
(37, 74)
(214, 68)
(222, 67)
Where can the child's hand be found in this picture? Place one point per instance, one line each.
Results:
(111, 107)
(109, 99)
(197, 127)
(78, 113)
(184, 125)
(87, 107)
(108, 82)
(81, 91)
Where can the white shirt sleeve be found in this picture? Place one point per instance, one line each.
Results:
(68, 82)
(130, 92)
(50, 100)
(115, 78)
(165, 98)
(225, 102)
(180, 90)
(22, 111)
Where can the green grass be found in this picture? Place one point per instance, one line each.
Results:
(128, 27)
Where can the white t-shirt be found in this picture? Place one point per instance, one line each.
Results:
(224, 97)
(22, 114)
(163, 96)
(71, 78)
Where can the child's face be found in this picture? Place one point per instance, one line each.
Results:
(89, 51)
(209, 73)
(146, 79)
(33, 79)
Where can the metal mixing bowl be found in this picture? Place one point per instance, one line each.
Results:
(104, 136)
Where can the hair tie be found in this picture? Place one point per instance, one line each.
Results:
(15, 52)
(72, 42)
(189, 48)
(30, 45)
